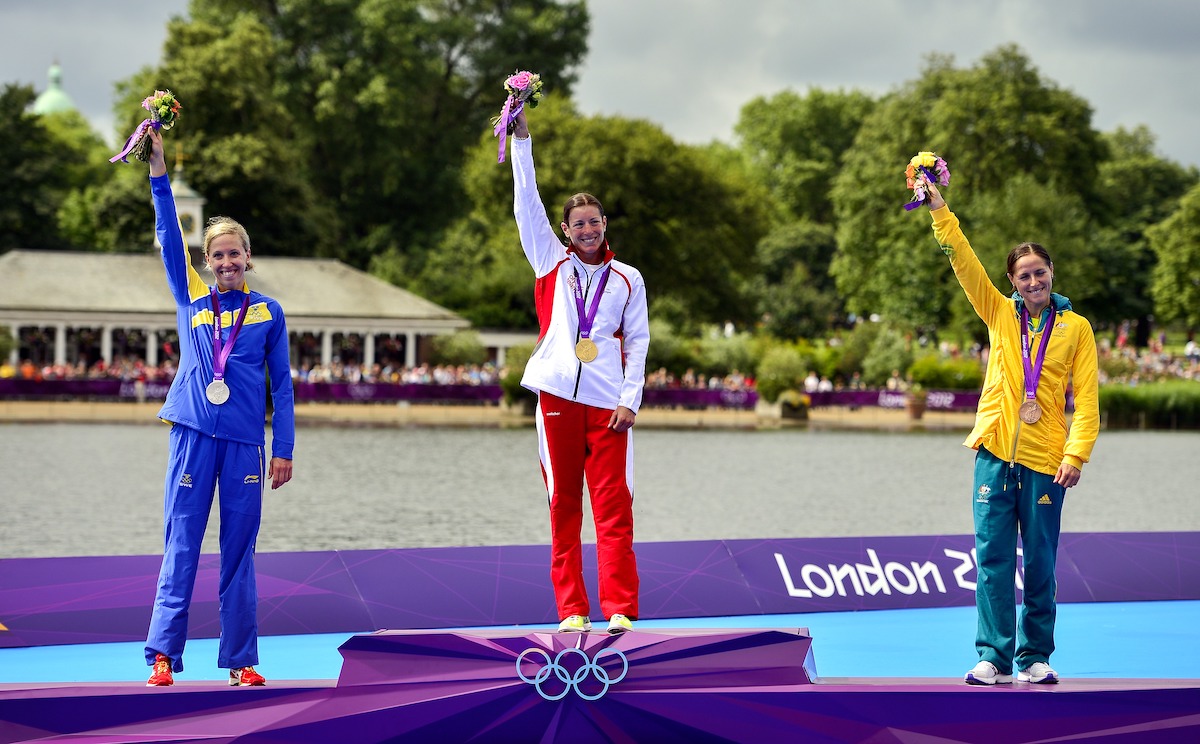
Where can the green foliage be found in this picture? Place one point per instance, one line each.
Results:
(796, 144)
(795, 297)
(827, 360)
(722, 355)
(1138, 189)
(1116, 366)
(113, 215)
(34, 180)
(1162, 405)
(510, 382)
(7, 342)
(855, 347)
(339, 127)
(670, 349)
(694, 245)
(933, 372)
(461, 347)
(890, 351)
(994, 122)
(782, 368)
(1176, 243)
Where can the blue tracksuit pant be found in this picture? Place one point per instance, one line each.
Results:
(199, 464)
(1007, 500)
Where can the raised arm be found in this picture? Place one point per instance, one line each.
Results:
(540, 243)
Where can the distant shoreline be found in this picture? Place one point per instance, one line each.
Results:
(484, 416)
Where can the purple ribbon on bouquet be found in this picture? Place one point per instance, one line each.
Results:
(918, 202)
(508, 115)
(134, 139)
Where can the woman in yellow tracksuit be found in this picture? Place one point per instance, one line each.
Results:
(1027, 454)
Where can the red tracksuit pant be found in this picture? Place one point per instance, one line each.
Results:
(574, 443)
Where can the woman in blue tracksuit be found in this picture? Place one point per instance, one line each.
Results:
(231, 340)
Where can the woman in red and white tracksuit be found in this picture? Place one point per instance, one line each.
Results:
(588, 369)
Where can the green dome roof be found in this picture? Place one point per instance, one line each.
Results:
(53, 99)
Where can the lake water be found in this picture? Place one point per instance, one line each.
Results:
(96, 489)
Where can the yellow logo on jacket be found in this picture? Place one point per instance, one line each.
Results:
(256, 313)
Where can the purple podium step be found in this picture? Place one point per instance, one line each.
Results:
(663, 686)
(586, 664)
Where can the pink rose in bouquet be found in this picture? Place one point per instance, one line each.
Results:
(524, 88)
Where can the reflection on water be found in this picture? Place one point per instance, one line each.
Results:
(96, 489)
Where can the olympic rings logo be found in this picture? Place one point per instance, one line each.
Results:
(572, 681)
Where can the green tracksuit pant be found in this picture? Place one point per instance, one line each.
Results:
(1008, 499)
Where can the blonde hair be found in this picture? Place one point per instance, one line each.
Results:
(218, 226)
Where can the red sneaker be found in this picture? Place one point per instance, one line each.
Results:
(162, 673)
(246, 677)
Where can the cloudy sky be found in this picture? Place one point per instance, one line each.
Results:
(690, 65)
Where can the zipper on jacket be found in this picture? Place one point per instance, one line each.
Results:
(1013, 460)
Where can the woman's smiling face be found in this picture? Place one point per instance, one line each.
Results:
(227, 259)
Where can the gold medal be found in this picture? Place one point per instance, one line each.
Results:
(1030, 412)
(586, 350)
(217, 392)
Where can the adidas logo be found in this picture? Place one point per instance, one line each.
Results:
(1045, 499)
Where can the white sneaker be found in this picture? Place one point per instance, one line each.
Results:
(986, 673)
(619, 624)
(575, 624)
(1038, 673)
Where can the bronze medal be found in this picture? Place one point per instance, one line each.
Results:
(1030, 412)
(586, 350)
(217, 392)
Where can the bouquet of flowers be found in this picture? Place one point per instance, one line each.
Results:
(164, 110)
(524, 88)
(933, 168)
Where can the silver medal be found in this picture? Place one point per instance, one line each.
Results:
(217, 392)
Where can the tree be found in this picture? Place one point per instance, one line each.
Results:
(1002, 128)
(35, 176)
(686, 221)
(796, 144)
(236, 131)
(385, 98)
(1137, 189)
(792, 287)
(1176, 243)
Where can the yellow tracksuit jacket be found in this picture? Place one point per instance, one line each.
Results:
(1044, 445)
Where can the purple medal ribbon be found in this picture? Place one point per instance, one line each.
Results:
(221, 351)
(586, 319)
(1033, 372)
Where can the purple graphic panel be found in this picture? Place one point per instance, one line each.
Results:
(669, 686)
(588, 665)
(45, 601)
(386, 392)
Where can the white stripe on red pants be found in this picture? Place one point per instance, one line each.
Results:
(574, 443)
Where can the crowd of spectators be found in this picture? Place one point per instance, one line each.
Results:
(423, 374)
(132, 370)
(1119, 363)
(122, 368)
(689, 380)
(1132, 366)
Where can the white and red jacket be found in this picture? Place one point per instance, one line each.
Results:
(621, 330)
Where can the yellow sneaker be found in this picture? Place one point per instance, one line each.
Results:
(619, 624)
(575, 624)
